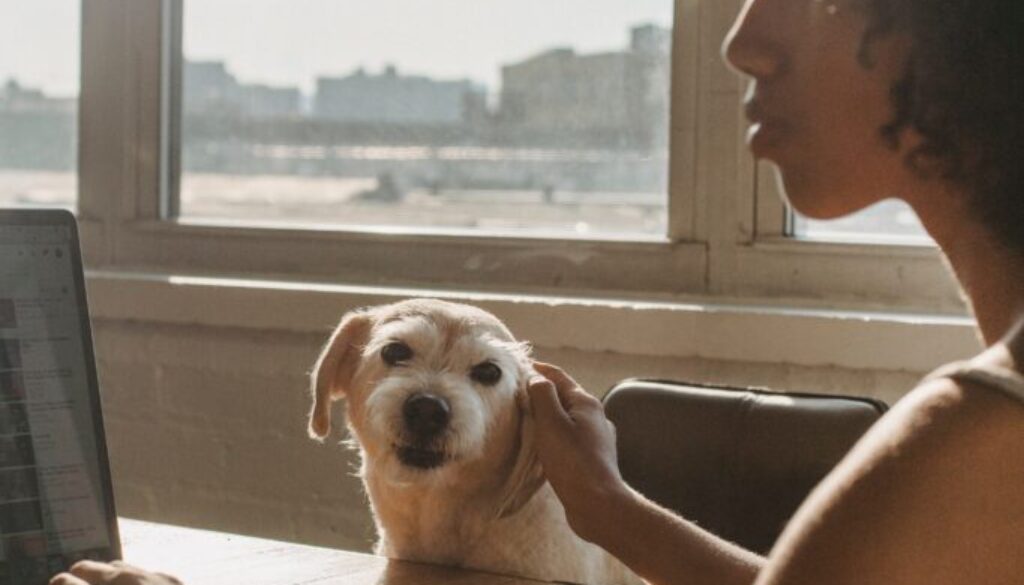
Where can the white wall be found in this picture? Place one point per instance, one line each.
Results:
(205, 398)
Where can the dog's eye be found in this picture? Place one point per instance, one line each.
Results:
(486, 373)
(395, 353)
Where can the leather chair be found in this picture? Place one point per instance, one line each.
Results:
(737, 462)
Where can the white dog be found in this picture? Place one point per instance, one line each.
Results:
(436, 400)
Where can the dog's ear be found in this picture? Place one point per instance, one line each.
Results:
(527, 475)
(335, 368)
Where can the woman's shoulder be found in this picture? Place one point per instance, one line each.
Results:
(932, 494)
(997, 370)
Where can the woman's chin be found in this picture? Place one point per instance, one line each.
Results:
(818, 213)
(819, 199)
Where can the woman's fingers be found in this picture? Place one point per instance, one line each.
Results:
(545, 402)
(556, 375)
(94, 572)
(67, 579)
(570, 394)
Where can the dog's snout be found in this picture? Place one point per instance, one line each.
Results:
(426, 414)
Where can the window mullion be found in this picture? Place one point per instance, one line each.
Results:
(144, 88)
(726, 171)
(171, 60)
(103, 123)
(683, 224)
(770, 207)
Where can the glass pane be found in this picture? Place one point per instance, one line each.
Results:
(39, 65)
(888, 222)
(494, 115)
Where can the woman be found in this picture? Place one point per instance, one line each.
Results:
(856, 101)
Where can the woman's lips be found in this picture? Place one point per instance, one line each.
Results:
(765, 129)
(753, 110)
(756, 112)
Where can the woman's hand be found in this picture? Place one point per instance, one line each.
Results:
(576, 446)
(115, 573)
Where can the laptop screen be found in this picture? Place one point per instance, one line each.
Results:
(55, 496)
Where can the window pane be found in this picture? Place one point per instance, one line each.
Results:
(495, 115)
(39, 64)
(888, 222)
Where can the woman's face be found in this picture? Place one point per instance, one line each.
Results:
(815, 109)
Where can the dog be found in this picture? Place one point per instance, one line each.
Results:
(436, 404)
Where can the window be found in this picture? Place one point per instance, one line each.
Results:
(521, 115)
(292, 162)
(886, 222)
(38, 102)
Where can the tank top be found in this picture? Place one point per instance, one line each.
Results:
(1004, 380)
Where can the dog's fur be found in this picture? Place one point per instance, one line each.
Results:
(480, 499)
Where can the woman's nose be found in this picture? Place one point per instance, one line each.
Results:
(749, 47)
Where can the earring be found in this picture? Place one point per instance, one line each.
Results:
(831, 8)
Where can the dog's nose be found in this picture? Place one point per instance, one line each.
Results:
(426, 414)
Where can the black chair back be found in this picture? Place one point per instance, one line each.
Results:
(737, 462)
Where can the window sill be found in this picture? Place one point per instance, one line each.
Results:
(715, 331)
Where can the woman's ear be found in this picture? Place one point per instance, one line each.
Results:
(332, 375)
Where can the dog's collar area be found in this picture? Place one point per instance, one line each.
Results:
(419, 457)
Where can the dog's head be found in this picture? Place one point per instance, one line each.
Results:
(435, 391)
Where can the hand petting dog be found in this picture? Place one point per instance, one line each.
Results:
(575, 443)
(117, 572)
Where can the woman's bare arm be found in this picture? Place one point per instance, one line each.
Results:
(663, 548)
(577, 447)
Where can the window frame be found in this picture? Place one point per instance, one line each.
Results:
(725, 234)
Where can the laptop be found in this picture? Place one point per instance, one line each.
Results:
(56, 501)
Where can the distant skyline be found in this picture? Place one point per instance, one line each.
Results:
(39, 44)
(291, 42)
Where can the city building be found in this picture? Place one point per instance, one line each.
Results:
(37, 131)
(16, 98)
(209, 88)
(393, 98)
(623, 93)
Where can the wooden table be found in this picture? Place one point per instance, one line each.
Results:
(204, 557)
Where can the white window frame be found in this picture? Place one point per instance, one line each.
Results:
(725, 231)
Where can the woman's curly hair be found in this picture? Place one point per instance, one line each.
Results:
(963, 92)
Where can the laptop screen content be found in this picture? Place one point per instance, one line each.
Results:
(55, 503)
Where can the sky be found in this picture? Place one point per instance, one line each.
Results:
(291, 42)
(39, 44)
